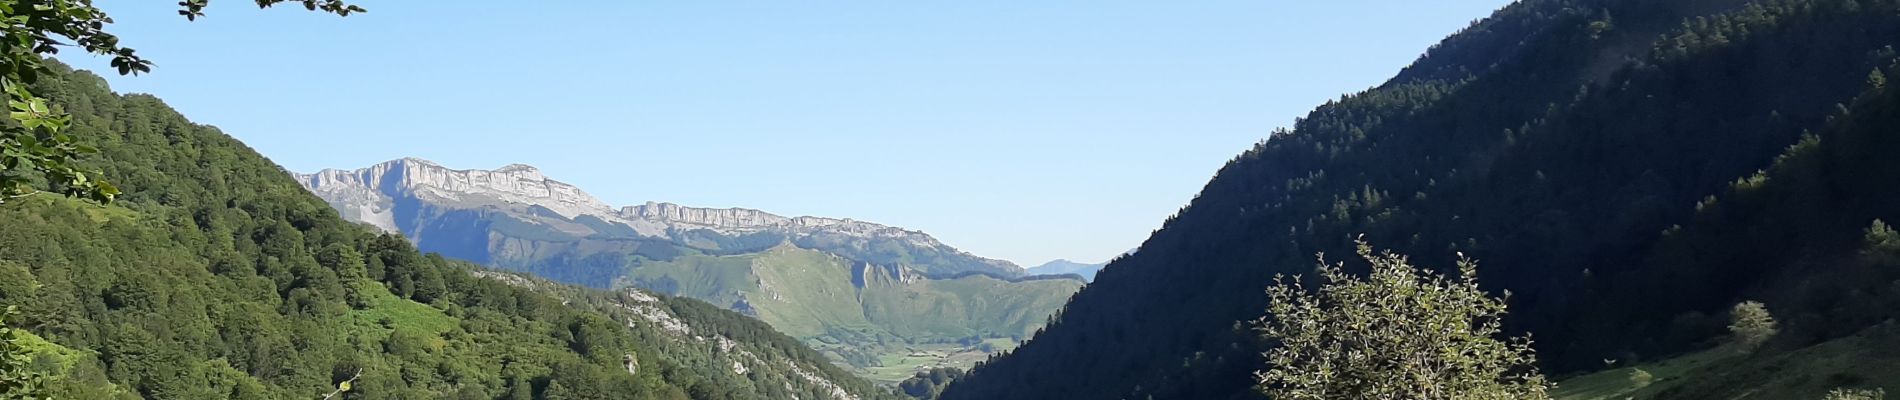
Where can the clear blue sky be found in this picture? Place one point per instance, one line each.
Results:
(1022, 130)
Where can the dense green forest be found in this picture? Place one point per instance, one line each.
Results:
(214, 275)
(1626, 169)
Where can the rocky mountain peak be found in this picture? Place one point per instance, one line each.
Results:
(369, 195)
(371, 189)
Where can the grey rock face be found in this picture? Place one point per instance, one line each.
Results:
(367, 194)
(381, 194)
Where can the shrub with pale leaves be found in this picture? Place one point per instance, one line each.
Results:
(1640, 378)
(1751, 325)
(1856, 394)
(1399, 333)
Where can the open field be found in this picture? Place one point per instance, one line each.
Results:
(1865, 360)
(903, 362)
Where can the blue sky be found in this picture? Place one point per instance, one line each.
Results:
(1021, 130)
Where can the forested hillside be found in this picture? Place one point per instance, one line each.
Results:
(1603, 158)
(215, 275)
(1839, 274)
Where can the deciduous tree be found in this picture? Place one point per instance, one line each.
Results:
(1399, 333)
(1751, 325)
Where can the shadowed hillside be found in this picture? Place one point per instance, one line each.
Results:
(1572, 145)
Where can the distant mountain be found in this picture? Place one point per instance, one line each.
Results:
(425, 200)
(854, 289)
(1065, 267)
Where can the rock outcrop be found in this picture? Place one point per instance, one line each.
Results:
(388, 196)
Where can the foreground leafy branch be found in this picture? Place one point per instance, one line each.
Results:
(35, 143)
(17, 378)
(344, 386)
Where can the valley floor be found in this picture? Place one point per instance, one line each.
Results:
(897, 365)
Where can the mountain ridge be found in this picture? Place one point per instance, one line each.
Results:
(1062, 266)
(1571, 145)
(840, 284)
(368, 194)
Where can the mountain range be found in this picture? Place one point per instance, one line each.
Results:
(1066, 267)
(867, 294)
(214, 275)
(422, 199)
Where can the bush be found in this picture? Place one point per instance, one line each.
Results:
(1856, 394)
(1640, 378)
(1751, 325)
(1400, 333)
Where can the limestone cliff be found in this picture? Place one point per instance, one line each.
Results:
(409, 194)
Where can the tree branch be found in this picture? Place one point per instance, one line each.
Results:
(341, 386)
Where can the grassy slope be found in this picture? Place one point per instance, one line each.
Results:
(809, 295)
(1864, 360)
(713, 279)
(1615, 384)
(813, 292)
(949, 308)
(387, 313)
(73, 373)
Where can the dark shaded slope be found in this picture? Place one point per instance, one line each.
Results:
(217, 276)
(1555, 140)
(1798, 236)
